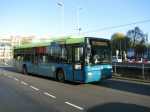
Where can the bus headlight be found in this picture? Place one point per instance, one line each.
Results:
(77, 66)
(110, 67)
(90, 74)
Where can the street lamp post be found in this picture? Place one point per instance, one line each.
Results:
(120, 50)
(78, 20)
(61, 5)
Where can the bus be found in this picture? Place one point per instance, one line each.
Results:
(73, 58)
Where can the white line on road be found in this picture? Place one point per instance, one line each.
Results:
(49, 95)
(34, 88)
(80, 108)
(24, 83)
(16, 79)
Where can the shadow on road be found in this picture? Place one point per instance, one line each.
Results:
(118, 107)
(137, 88)
(12, 69)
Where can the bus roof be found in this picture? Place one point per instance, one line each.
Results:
(70, 39)
(61, 40)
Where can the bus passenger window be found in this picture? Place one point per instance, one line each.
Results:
(45, 59)
(69, 51)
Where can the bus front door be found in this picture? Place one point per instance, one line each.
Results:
(77, 63)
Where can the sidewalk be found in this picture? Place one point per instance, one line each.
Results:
(130, 79)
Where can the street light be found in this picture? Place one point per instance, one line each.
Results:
(61, 5)
(78, 20)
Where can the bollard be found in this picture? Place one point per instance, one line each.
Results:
(143, 71)
(115, 68)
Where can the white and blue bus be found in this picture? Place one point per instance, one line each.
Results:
(73, 58)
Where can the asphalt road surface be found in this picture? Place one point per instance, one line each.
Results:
(29, 93)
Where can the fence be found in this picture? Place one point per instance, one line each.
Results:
(134, 70)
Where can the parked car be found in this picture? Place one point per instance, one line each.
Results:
(131, 61)
(139, 60)
(146, 60)
(115, 59)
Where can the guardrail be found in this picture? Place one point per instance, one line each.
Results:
(134, 70)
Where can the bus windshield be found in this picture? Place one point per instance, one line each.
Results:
(99, 52)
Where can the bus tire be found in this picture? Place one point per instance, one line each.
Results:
(60, 75)
(24, 71)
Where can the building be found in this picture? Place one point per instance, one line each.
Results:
(5, 49)
(7, 44)
(5, 52)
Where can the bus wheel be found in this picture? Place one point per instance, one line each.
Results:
(60, 76)
(25, 70)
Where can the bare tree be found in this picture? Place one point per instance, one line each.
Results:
(138, 39)
(136, 36)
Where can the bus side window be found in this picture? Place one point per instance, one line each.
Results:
(18, 58)
(55, 53)
(35, 61)
(51, 54)
(69, 51)
(27, 57)
(32, 58)
(44, 59)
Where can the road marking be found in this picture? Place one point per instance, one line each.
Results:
(80, 108)
(49, 95)
(24, 83)
(34, 88)
(16, 79)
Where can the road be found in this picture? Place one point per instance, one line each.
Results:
(29, 93)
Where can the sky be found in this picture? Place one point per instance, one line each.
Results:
(46, 17)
